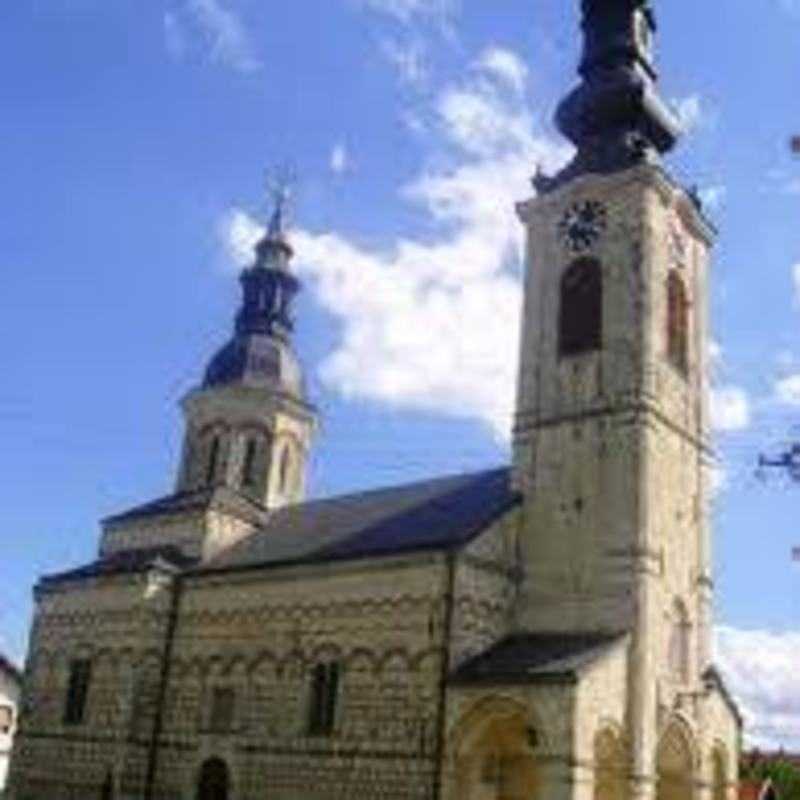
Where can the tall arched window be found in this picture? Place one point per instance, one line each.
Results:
(677, 322)
(680, 635)
(580, 320)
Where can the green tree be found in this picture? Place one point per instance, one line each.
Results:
(784, 775)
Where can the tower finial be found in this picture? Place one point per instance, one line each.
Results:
(279, 182)
(274, 250)
(615, 116)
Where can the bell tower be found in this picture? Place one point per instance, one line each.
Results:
(611, 441)
(249, 426)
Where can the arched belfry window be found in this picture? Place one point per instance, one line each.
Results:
(285, 469)
(213, 460)
(249, 464)
(677, 322)
(580, 317)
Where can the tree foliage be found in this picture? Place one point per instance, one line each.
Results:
(784, 775)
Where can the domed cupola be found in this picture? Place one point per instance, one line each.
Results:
(260, 353)
(248, 425)
(615, 117)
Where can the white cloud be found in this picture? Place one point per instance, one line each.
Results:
(796, 283)
(730, 405)
(690, 112)
(730, 408)
(409, 59)
(212, 29)
(787, 390)
(340, 160)
(408, 11)
(715, 357)
(174, 37)
(718, 480)
(434, 324)
(760, 668)
(713, 197)
(506, 66)
(239, 233)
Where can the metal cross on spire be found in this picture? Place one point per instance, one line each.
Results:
(279, 182)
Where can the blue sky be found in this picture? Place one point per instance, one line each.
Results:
(134, 142)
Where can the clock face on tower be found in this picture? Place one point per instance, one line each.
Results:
(582, 225)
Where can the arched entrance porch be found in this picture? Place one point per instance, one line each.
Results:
(495, 754)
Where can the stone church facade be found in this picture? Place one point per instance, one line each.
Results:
(541, 631)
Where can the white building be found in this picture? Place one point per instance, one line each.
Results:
(10, 687)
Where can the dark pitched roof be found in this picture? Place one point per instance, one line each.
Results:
(430, 515)
(713, 677)
(127, 561)
(221, 497)
(10, 668)
(531, 657)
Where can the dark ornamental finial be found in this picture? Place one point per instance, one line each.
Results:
(274, 250)
(269, 287)
(260, 349)
(615, 117)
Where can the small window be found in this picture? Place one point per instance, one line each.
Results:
(80, 675)
(6, 719)
(322, 706)
(213, 458)
(580, 321)
(677, 323)
(223, 704)
(248, 467)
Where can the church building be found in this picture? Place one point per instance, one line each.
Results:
(538, 632)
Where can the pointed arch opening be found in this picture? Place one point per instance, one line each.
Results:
(580, 320)
(610, 766)
(719, 777)
(214, 781)
(677, 322)
(674, 764)
(496, 756)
